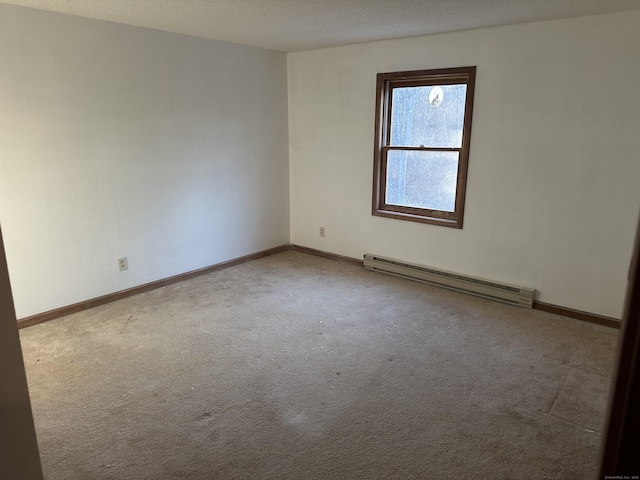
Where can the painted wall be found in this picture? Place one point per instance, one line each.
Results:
(122, 141)
(554, 171)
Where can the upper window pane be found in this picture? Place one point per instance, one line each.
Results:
(428, 116)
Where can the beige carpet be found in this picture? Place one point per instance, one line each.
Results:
(298, 367)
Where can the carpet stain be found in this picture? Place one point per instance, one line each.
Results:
(205, 418)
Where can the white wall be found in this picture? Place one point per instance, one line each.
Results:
(122, 141)
(554, 170)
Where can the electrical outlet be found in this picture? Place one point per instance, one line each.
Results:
(322, 231)
(122, 263)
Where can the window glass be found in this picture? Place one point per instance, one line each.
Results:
(422, 179)
(431, 116)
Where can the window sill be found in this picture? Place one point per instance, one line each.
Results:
(412, 217)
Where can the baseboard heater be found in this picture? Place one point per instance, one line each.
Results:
(501, 292)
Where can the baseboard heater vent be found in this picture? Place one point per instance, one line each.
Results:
(511, 294)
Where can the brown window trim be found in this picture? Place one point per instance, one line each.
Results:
(386, 82)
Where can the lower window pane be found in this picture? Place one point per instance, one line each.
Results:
(422, 179)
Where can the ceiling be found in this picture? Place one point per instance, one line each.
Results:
(293, 25)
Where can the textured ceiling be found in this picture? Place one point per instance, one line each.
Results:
(292, 25)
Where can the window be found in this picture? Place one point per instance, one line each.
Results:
(423, 127)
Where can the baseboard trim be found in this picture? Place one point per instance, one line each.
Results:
(112, 297)
(331, 256)
(578, 314)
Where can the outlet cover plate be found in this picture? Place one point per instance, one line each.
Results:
(122, 264)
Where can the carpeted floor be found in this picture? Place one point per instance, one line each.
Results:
(299, 367)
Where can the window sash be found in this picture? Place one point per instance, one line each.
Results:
(416, 210)
(386, 148)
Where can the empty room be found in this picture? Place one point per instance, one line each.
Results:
(314, 240)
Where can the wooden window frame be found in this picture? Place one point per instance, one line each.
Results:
(386, 82)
